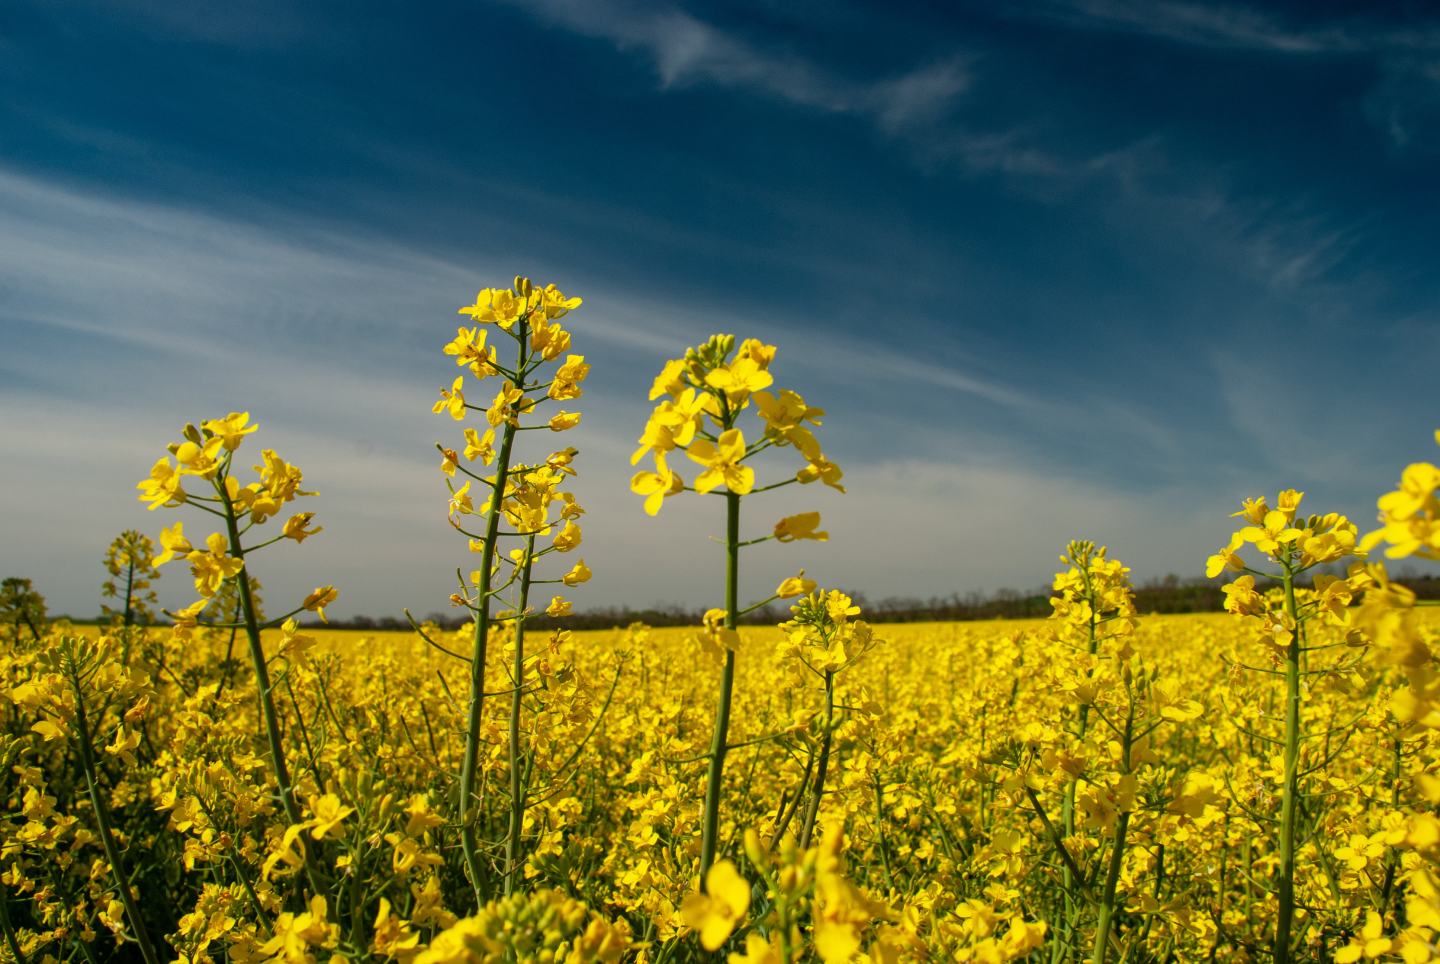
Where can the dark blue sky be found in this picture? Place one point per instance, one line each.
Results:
(1079, 268)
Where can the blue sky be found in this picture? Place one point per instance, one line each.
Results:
(1074, 268)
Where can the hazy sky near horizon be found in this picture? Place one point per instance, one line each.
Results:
(1075, 268)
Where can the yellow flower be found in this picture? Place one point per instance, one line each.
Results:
(555, 304)
(722, 463)
(319, 599)
(802, 526)
(214, 566)
(508, 404)
(452, 400)
(500, 306)
(162, 487)
(738, 379)
(1275, 532)
(173, 541)
(295, 526)
(567, 538)
(796, 585)
(1227, 557)
(480, 447)
(578, 573)
(563, 420)
(566, 383)
(716, 912)
(460, 501)
(559, 606)
(231, 429)
(328, 813)
(656, 486)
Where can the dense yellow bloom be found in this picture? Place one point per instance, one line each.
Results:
(566, 384)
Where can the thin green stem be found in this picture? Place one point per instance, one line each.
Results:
(812, 811)
(718, 742)
(263, 685)
(107, 836)
(517, 793)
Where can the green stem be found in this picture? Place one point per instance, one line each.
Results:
(812, 812)
(517, 794)
(107, 836)
(1290, 792)
(262, 684)
(1105, 913)
(711, 820)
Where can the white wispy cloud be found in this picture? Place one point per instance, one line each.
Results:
(688, 51)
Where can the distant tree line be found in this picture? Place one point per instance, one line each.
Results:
(1172, 594)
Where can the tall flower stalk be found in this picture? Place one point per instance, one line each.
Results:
(707, 391)
(207, 454)
(523, 495)
(1295, 544)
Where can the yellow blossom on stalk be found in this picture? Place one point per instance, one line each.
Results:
(452, 400)
(548, 340)
(656, 486)
(479, 446)
(559, 606)
(566, 384)
(499, 306)
(328, 812)
(174, 543)
(297, 526)
(1410, 515)
(785, 412)
(556, 304)
(460, 502)
(714, 637)
(213, 566)
(716, 912)
(796, 585)
(802, 526)
(1226, 558)
(567, 538)
(319, 599)
(562, 421)
(162, 487)
(509, 403)
(231, 429)
(739, 379)
(470, 350)
(578, 573)
(722, 463)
